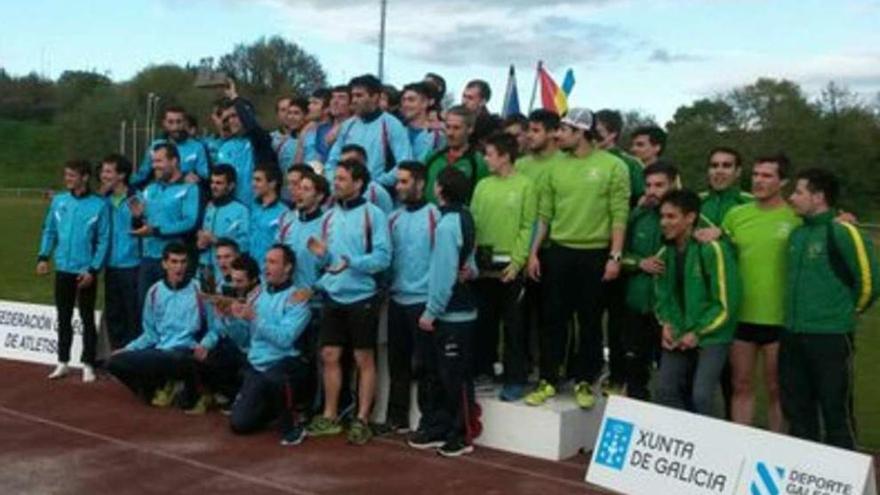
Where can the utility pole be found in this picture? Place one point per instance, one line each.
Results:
(384, 7)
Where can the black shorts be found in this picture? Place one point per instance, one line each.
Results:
(758, 334)
(354, 325)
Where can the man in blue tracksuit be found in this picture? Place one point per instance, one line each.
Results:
(76, 232)
(297, 227)
(221, 353)
(383, 136)
(424, 136)
(266, 212)
(313, 146)
(171, 319)
(413, 236)
(124, 257)
(276, 373)
(354, 247)
(246, 145)
(167, 211)
(224, 218)
(286, 145)
(375, 192)
(443, 344)
(193, 153)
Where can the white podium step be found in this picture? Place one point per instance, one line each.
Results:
(556, 430)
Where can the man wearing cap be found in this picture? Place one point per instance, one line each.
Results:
(583, 207)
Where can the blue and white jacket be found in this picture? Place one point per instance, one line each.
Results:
(172, 317)
(356, 231)
(265, 224)
(76, 231)
(449, 299)
(172, 210)
(413, 235)
(385, 140)
(279, 322)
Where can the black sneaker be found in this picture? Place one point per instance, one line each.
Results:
(422, 440)
(293, 436)
(455, 448)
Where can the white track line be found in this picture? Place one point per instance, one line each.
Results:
(159, 453)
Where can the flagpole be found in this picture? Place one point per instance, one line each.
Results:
(535, 87)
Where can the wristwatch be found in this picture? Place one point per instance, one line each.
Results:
(615, 257)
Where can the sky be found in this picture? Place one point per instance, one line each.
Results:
(649, 55)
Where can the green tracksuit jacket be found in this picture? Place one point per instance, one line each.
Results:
(707, 301)
(827, 284)
(643, 239)
(716, 204)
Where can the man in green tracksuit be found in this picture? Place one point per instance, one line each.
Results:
(458, 152)
(832, 276)
(697, 298)
(504, 207)
(583, 204)
(641, 332)
(725, 169)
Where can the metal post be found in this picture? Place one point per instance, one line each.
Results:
(153, 120)
(148, 118)
(134, 142)
(122, 137)
(535, 87)
(384, 7)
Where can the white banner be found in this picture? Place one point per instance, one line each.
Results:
(29, 332)
(648, 449)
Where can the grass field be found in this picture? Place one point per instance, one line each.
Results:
(21, 219)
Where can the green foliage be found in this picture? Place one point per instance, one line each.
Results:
(835, 132)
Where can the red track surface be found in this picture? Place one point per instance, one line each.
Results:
(71, 438)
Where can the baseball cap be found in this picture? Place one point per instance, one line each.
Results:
(579, 118)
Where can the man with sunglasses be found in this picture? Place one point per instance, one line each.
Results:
(246, 145)
(724, 172)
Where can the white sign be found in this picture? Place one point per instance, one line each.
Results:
(29, 332)
(648, 449)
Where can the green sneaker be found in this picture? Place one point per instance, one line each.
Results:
(359, 432)
(583, 395)
(541, 393)
(612, 389)
(164, 397)
(320, 426)
(203, 405)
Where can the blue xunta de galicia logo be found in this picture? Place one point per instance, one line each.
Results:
(616, 437)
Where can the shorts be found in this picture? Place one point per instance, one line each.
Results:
(758, 334)
(354, 325)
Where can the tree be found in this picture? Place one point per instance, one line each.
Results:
(74, 85)
(273, 67)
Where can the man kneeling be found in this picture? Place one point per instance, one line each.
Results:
(151, 364)
(278, 316)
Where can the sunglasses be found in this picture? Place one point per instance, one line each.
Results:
(721, 164)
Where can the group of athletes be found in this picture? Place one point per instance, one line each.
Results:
(249, 271)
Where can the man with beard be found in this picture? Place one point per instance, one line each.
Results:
(193, 155)
(382, 136)
(583, 208)
(413, 236)
(224, 218)
(642, 263)
(166, 212)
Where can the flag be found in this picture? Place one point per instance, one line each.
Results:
(568, 82)
(552, 96)
(511, 95)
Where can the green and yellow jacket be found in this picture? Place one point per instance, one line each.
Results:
(832, 275)
(699, 291)
(716, 204)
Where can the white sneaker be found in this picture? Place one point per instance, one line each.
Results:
(88, 374)
(60, 371)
